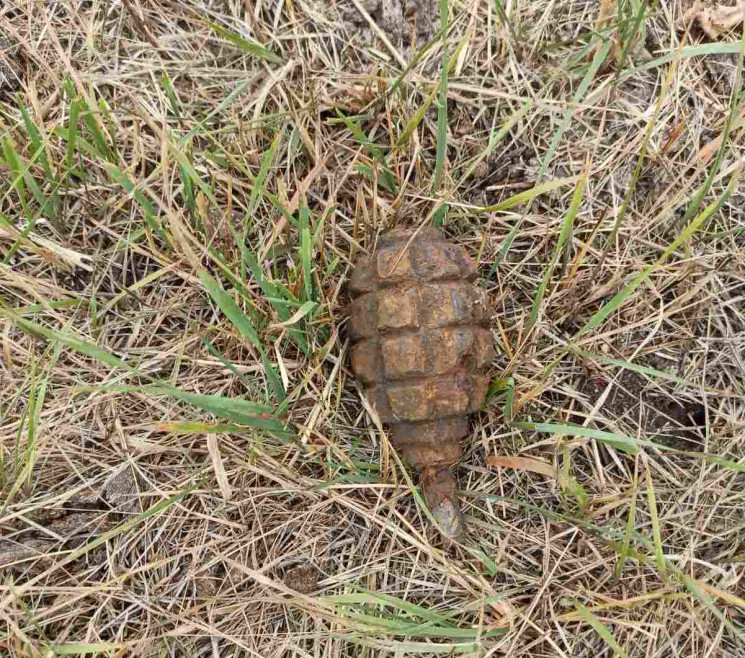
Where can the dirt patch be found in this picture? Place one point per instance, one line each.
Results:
(676, 423)
(408, 24)
(26, 541)
(302, 578)
(10, 67)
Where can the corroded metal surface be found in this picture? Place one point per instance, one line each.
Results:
(420, 348)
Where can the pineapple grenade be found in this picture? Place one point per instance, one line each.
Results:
(420, 349)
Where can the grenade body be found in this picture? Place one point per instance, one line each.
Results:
(420, 348)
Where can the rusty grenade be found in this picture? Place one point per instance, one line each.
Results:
(421, 345)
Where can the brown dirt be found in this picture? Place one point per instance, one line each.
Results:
(10, 67)
(408, 24)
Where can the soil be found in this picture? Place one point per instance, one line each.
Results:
(408, 24)
(73, 521)
(677, 424)
(10, 68)
(302, 578)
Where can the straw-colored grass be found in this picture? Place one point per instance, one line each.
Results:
(187, 465)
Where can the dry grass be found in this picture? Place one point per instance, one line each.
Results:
(180, 204)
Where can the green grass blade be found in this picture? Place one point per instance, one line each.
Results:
(257, 191)
(398, 626)
(630, 34)
(36, 143)
(442, 117)
(656, 533)
(695, 202)
(621, 441)
(188, 167)
(388, 646)
(626, 365)
(46, 204)
(236, 282)
(599, 58)
(248, 45)
(219, 110)
(245, 327)
(418, 55)
(240, 412)
(70, 341)
(305, 255)
(607, 309)
(33, 309)
(72, 135)
(389, 178)
(103, 150)
(566, 229)
(729, 48)
(376, 598)
(23, 459)
(641, 157)
(105, 112)
(36, 404)
(17, 174)
(195, 427)
(191, 201)
(235, 410)
(708, 602)
(279, 297)
(83, 649)
(413, 123)
(630, 525)
(494, 139)
(509, 402)
(728, 464)
(528, 195)
(171, 92)
(306, 248)
(266, 162)
(627, 443)
(602, 630)
(22, 175)
(151, 217)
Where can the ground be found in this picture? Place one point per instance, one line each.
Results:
(188, 464)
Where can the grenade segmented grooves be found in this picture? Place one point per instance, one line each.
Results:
(420, 348)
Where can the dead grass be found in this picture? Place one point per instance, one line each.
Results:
(184, 187)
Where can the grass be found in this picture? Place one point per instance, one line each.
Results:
(184, 188)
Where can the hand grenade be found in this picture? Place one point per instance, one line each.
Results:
(420, 349)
